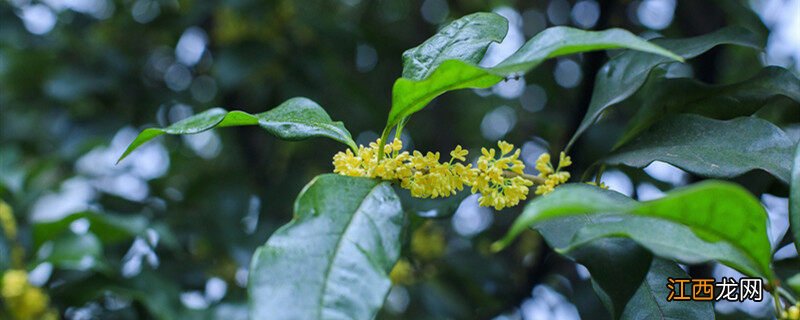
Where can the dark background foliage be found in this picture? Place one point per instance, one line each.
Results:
(80, 78)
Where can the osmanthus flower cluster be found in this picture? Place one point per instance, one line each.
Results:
(20, 298)
(791, 313)
(498, 174)
(24, 300)
(552, 176)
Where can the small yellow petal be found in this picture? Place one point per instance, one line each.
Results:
(505, 147)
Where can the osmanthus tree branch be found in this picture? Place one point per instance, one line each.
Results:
(533, 178)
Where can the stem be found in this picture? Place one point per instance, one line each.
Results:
(353, 147)
(786, 295)
(399, 131)
(589, 170)
(382, 142)
(535, 179)
(599, 175)
(777, 299)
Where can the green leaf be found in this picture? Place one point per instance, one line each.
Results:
(560, 41)
(109, 228)
(451, 54)
(295, 119)
(465, 39)
(624, 74)
(411, 95)
(663, 96)
(618, 267)
(198, 123)
(73, 251)
(143, 137)
(711, 148)
(794, 283)
(650, 300)
(301, 118)
(624, 274)
(794, 199)
(714, 210)
(158, 294)
(332, 260)
(664, 239)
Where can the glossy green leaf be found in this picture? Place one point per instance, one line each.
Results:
(465, 39)
(650, 300)
(621, 263)
(411, 95)
(618, 267)
(143, 137)
(711, 148)
(332, 260)
(295, 119)
(664, 96)
(794, 199)
(624, 74)
(664, 239)
(560, 41)
(198, 123)
(109, 228)
(714, 210)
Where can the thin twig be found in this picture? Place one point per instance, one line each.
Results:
(535, 179)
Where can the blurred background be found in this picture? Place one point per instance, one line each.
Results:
(168, 232)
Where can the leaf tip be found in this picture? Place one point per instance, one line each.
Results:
(497, 246)
(123, 156)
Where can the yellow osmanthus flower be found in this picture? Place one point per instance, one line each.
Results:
(602, 185)
(402, 273)
(498, 189)
(420, 173)
(498, 176)
(14, 283)
(7, 220)
(552, 176)
(23, 300)
(791, 313)
(458, 153)
(428, 242)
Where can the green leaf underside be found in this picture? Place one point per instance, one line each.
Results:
(332, 260)
(713, 210)
(794, 199)
(711, 148)
(295, 119)
(624, 74)
(650, 300)
(411, 95)
(664, 239)
(664, 96)
(624, 273)
(617, 266)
